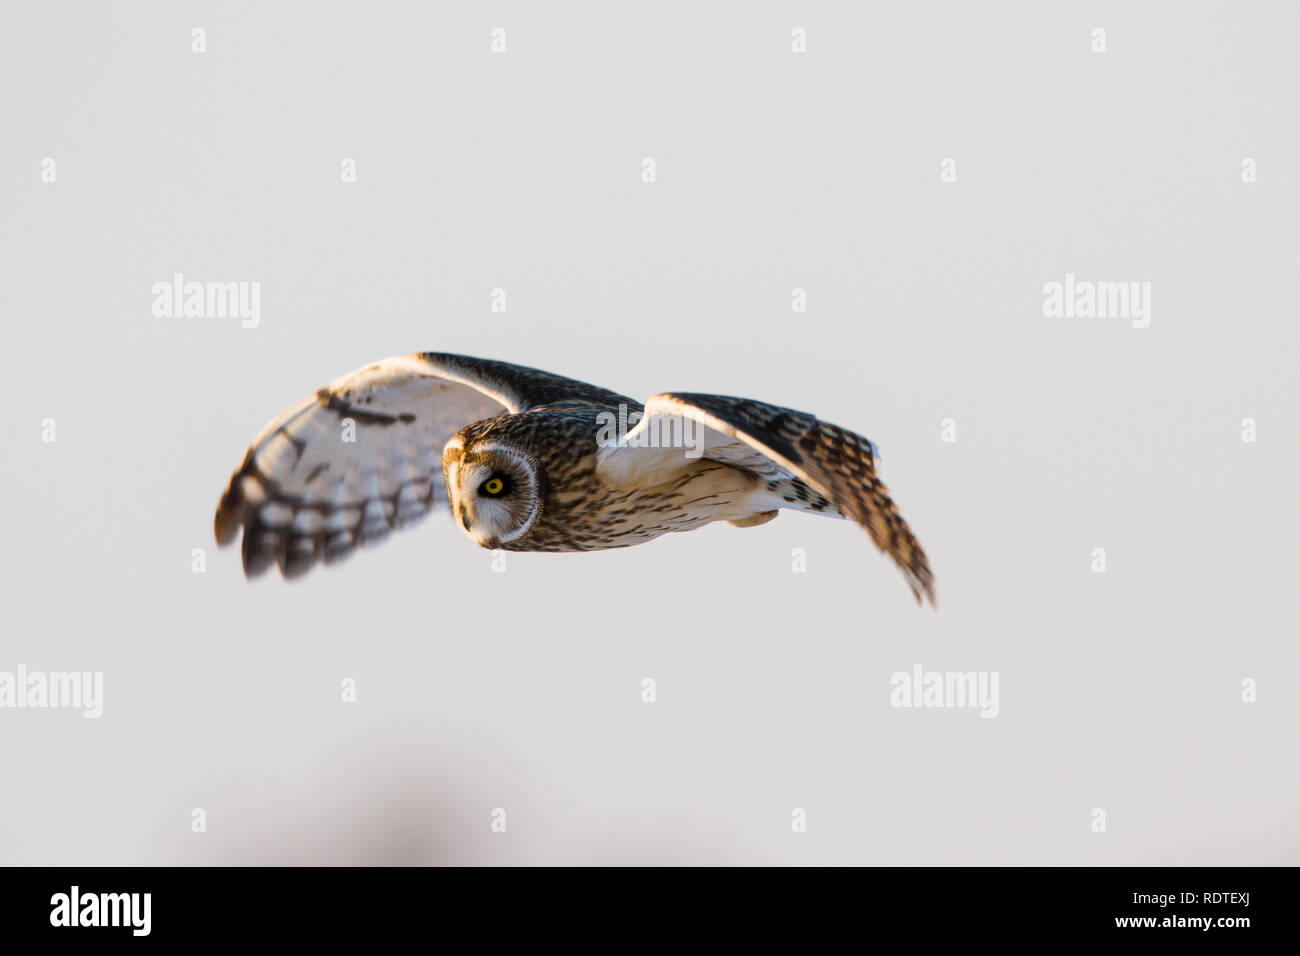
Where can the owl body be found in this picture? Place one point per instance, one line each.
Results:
(524, 461)
(556, 498)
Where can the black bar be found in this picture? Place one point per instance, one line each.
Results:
(368, 904)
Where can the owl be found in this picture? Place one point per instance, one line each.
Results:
(530, 461)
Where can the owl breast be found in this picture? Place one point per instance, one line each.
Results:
(584, 512)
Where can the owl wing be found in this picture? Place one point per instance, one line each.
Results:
(781, 445)
(363, 455)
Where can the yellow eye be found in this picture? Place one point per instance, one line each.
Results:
(494, 486)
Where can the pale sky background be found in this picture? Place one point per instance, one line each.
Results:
(775, 170)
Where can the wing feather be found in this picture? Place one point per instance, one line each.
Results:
(363, 455)
(786, 444)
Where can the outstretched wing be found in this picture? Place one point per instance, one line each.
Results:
(791, 448)
(363, 455)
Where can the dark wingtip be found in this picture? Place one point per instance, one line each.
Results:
(922, 581)
(261, 549)
(300, 556)
(930, 596)
(225, 523)
(230, 511)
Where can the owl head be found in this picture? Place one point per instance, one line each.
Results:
(494, 488)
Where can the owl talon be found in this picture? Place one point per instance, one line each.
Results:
(753, 521)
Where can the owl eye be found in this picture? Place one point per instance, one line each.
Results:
(494, 486)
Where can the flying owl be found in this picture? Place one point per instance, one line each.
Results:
(529, 461)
